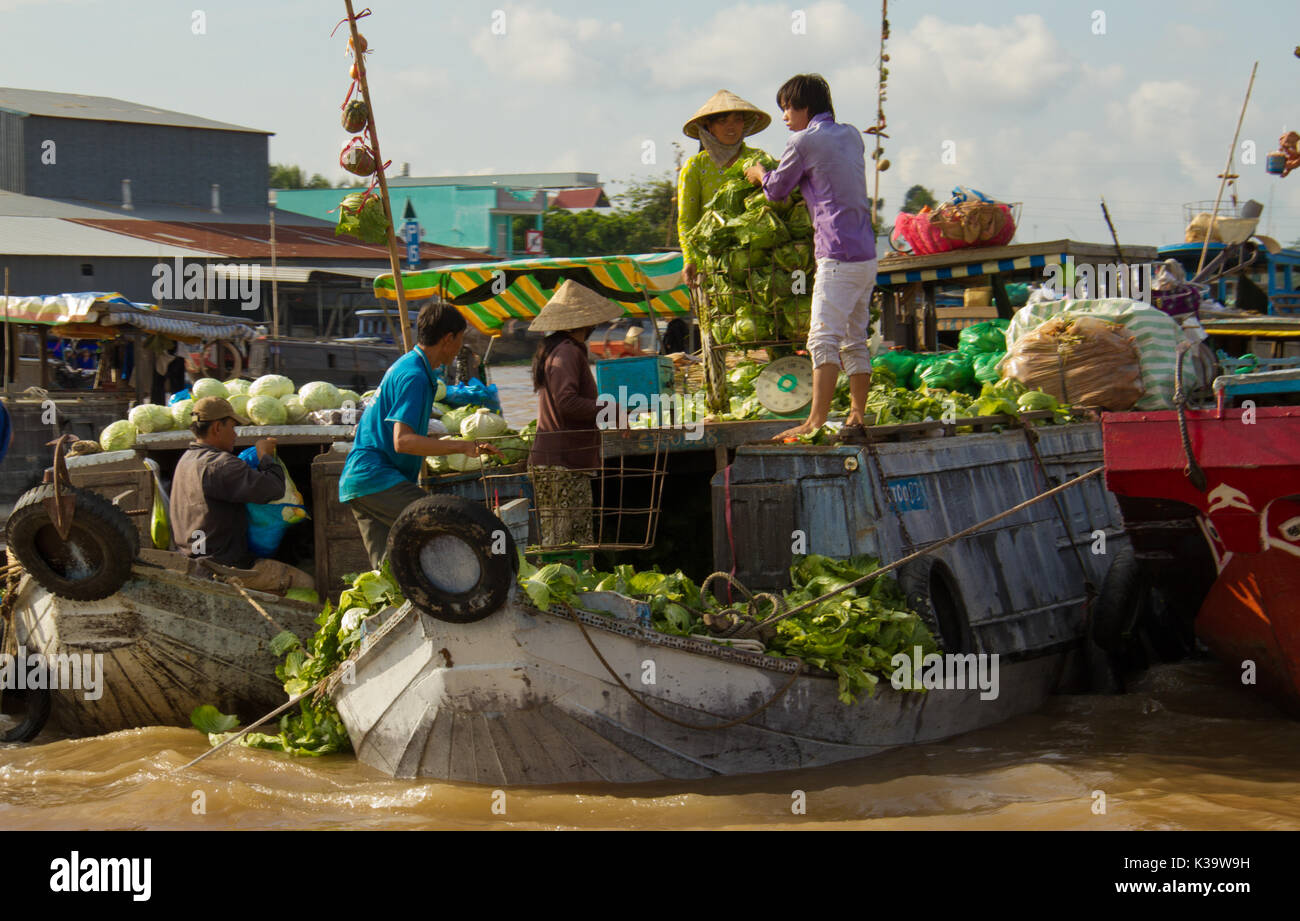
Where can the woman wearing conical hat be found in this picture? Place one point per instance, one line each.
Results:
(566, 451)
(721, 126)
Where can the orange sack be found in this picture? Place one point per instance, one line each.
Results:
(1081, 361)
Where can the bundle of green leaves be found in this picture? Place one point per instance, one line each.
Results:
(853, 635)
(315, 728)
(753, 249)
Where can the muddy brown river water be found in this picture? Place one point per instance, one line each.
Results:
(1186, 748)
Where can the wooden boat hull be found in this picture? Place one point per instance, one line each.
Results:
(519, 698)
(169, 643)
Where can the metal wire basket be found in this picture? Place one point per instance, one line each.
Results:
(613, 506)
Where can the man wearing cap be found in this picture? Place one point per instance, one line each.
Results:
(380, 476)
(212, 486)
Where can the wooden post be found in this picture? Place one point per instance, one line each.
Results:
(43, 345)
(275, 303)
(394, 260)
(9, 339)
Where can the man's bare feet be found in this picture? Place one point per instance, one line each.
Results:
(854, 419)
(807, 428)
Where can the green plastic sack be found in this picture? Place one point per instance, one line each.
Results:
(983, 338)
(160, 528)
(923, 361)
(953, 371)
(900, 362)
(986, 366)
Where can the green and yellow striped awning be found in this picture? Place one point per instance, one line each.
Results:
(490, 293)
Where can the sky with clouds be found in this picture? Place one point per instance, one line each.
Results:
(1052, 103)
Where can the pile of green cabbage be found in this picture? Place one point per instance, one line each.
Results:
(479, 424)
(853, 635)
(888, 403)
(752, 250)
(269, 400)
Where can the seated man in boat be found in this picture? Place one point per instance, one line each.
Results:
(210, 492)
(380, 476)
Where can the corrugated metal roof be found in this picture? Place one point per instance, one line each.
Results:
(253, 241)
(580, 198)
(518, 180)
(303, 273)
(105, 109)
(14, 205)
(50, 236)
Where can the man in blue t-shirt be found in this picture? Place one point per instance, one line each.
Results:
(380, 476)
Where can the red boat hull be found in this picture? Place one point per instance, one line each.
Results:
(1251, 622)
(1249, 513)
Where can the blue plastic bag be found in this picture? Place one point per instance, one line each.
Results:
(267, 523)
(178, 396)
(473, 393)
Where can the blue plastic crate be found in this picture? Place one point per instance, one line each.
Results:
(635, 379)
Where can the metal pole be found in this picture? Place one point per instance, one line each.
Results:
(394, 260)
(1227, 170)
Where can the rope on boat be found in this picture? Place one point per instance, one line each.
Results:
(1195, 475)
(794, 676)
(966, 532)
(239, 586)
(1090, 589)
(324, 686)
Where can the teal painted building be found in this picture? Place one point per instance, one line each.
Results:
(473, 212)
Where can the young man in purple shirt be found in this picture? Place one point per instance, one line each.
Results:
(826, 161)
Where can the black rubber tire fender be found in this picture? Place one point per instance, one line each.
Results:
(1115, 613)
(104, 538)
(933, 593)
(478, 529)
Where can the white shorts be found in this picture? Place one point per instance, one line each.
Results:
(841, 315)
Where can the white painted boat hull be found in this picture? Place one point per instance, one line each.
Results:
(520, 699)
(169, 643)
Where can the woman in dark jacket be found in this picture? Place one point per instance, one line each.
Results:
(566, 452)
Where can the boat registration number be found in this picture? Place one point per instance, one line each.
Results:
(906, 495)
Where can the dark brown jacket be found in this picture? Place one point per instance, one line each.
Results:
(209, 492)
(566, 411)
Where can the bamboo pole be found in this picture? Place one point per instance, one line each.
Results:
(1227, 170)
(404, 320)
(880, 117)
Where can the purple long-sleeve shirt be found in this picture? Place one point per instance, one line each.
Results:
(827, 162)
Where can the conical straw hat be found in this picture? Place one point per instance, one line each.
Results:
(574, 306)
(722, 102)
